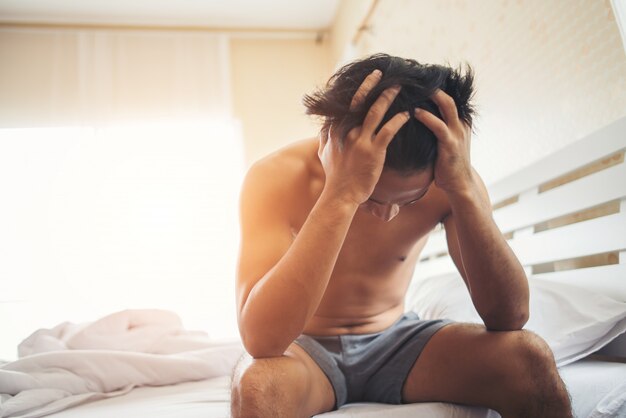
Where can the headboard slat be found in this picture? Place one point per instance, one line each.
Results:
(595, 146)
(595, 236)
(587, 192)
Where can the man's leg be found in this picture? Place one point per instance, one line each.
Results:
(512, 372)
(290, 386)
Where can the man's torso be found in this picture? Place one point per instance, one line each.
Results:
(366, 290)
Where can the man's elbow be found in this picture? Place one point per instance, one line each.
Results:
(514, 321)
(260, 345)
(261, 349)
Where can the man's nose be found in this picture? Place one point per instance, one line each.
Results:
(385, 212)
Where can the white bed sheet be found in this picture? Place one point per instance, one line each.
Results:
(202, 399)
(588, 381)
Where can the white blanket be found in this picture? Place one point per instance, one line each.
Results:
(75, 363)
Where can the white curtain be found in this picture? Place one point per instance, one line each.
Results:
(94, 77)
(119, 173)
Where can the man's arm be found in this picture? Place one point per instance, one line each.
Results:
(493, 274)
(494, 277)
(280, 283)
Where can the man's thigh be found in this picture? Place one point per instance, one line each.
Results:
(321, 391)
(466, 364)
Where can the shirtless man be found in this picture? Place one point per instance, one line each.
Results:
(331, 233)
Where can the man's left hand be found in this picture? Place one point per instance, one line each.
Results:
(453, 171)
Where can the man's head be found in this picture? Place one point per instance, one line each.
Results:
(414, 148)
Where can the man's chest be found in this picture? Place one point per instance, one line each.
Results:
(375, 247)
(374, 266)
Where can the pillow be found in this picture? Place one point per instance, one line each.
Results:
(575, 322)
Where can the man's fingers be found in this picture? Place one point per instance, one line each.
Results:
(446, 106)
(377, 112)
(366, 86)
(391, 128)
(432, 122)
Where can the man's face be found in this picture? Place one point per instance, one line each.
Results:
(394, 191)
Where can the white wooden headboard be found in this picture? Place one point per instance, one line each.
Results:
(564, 217)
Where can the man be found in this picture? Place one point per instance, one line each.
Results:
(331, 232)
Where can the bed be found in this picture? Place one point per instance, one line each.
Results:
(565, 217)
(588, 380)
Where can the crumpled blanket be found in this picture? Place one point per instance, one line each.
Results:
(74, 363)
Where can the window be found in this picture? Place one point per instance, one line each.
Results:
(98, 220)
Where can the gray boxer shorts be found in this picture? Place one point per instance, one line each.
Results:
(371, 367)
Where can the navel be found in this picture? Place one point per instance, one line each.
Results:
(402, 258)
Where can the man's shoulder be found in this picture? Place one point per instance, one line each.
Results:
(283, 169)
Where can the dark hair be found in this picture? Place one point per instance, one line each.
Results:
(414, 147)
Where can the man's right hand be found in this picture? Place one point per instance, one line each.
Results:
(353, 164)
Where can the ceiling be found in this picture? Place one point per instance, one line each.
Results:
(239, 14)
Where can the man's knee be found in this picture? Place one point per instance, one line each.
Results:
(260, 384)
(526, 358)
(533, 382)
(534, 360)
(253, 388)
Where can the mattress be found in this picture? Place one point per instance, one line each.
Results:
(588, 382)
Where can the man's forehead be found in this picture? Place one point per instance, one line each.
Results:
(414, 180)
(393, 185)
